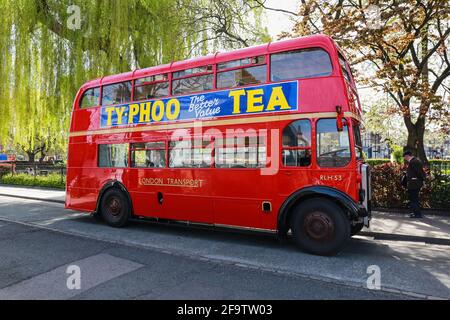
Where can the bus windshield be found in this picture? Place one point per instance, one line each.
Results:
(333, 146)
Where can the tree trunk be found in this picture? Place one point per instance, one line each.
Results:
(31, 156)
(42, 157)
(416, 133)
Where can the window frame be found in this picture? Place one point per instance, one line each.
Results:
(112, 144)
(241, 68)
(193, 146)
(347, 124)
(131, 81)
(270, 63)
(200, 74)
(99, 102)
(131, 149)
(236, 145)
(135, 86)
(311, 126)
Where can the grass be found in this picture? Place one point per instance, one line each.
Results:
(52, 180)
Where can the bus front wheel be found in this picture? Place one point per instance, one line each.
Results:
(355, 229)
(115, 207)
(319, 226)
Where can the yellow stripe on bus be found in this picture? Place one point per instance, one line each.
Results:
(209, 123)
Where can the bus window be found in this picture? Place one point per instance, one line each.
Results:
(190, 154)
(192, 71)
(333, 147)
(148, 155)
(297, 144)
(304, 63)
(113, 155)
(344, 68)
(150, 91)
(240, 77)
(358, 142)
(241, 63)
(116, 93)
(193, 84)
(91, 98)
(241, 152)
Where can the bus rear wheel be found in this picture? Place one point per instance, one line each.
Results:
(115, 207)
(320, 227)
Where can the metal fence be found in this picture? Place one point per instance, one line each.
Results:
(33, 169)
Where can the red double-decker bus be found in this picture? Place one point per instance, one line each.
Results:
(264, 138)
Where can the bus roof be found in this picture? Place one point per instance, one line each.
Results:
(271, 47)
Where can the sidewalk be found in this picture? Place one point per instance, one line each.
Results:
(384, 225)
(432, 229)
(33, 193)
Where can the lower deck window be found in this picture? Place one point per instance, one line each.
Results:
(113, 155)
(190, 154)
(297, 144)
(148, 155)
(241, 152)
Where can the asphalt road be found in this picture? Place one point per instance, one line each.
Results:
(40, 240)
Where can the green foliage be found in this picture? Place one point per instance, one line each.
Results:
(44, 61)
(49, 181)
(4, 169)
(388, 192)
(397, 154)
(374, 162)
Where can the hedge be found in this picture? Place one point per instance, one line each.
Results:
(52, 180)
(388, 192)
(374, 162)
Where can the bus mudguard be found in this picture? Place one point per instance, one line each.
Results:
(350, 207)
(112, 184)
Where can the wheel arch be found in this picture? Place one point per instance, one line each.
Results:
(347, 204)
(112, 184)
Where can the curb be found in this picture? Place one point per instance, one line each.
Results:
(32, 198)
(405, 237)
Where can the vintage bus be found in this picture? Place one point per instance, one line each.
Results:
(265, 138)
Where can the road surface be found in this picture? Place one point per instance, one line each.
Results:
(40, 240)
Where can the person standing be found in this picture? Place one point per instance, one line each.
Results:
(414, 178)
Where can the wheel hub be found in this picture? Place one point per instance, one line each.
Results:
(114, 206)
(319, 226)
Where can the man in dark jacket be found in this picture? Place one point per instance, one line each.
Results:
(415, 177)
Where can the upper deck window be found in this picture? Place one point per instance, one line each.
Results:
(192, 84)
(91, 98)
(305, 63)
(240, 77)
(343, 65)
(243, 72)
(192, 71)
(116, 93)
(241, 63)
(151, 87)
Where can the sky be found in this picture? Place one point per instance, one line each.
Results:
(278, 21)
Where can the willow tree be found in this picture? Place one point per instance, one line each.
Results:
(49, 48)
(406, 42)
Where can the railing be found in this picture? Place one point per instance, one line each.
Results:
(32, 169)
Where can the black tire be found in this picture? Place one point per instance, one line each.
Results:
(319, 226)
(355, 229)
(115, 208)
